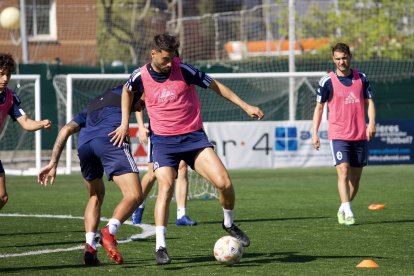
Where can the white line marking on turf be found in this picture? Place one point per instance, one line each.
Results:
(147, 231)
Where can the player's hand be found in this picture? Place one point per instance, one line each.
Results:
(371, 130)
(255, 112)
(143, 135)
(316, 142)
(46, 173)
(47, 124)
(3, 199)
(119, 135)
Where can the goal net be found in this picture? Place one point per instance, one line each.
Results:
(20, 150)
(269, 91)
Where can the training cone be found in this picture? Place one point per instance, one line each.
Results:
(376, 206)
(367, 264)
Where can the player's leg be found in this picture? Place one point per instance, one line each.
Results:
(341, 153)
(354, 179)
(165, 178)
(147, 182)
(130, 187)
(96, 191)
(119, 166)
(3, 193)
(131, 191)
(209, 165)
(359, 159)
(181, 192)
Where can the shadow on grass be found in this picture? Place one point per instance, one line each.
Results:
(265, 220)
(79, 242)
(39, 233)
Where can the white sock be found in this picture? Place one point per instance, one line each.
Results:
(228, 217)
(180, 212)
(142, 206)
(346, 208)
(90, 239)
(160, 233)
(114, 225)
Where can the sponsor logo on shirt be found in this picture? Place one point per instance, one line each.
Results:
(351, 99)
(167, 96)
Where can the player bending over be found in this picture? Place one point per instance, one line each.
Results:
(97, 154)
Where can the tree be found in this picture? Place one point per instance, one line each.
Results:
(126, 29)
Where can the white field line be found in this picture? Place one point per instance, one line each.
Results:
(147, 231)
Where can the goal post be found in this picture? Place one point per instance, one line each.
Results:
(21, 151)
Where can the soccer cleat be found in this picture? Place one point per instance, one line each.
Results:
(185, 221)
(236, 232)
(137, 216)
(349, 221)
(90, 256)
(110, 244)
(161, 256)
(341, 217)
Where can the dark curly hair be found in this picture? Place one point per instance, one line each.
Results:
(7, 63)
(165, 42)
(342, 48)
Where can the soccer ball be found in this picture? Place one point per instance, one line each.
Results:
(10, 18)
(228, 250)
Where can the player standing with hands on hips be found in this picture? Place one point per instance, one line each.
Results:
(177, 131)
(347, 92)
(10, 104)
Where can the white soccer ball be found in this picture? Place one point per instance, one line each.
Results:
(228, 250)
(10, 18)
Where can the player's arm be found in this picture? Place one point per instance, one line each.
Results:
(316, 121)
(32, 125)
(122, 131)
(49, 171)
(17, 114)
(369, 102)
(371, 118)
(227, 93)
(142, 130)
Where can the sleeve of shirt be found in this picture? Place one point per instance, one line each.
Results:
(366, 86)
(324, 90)
(134, 83)
(193, 76)
(80, 119)
(17, 110)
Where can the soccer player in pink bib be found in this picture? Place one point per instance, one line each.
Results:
(347, 91)
(177, 131)
(10, 105)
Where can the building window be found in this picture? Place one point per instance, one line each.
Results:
(41, 20)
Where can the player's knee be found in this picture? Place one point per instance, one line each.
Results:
(342, 172)
(223, 182)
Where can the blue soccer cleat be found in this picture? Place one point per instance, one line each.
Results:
(137, 215)
(185, 221)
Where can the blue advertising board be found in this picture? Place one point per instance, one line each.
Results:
(393, 143)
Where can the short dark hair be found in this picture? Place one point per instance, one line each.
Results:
(7, 63)
(341, 47)
(165, 42)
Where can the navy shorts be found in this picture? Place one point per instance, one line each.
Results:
(1, 167)
(168, 151)
(99, 155)
(353, 152)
